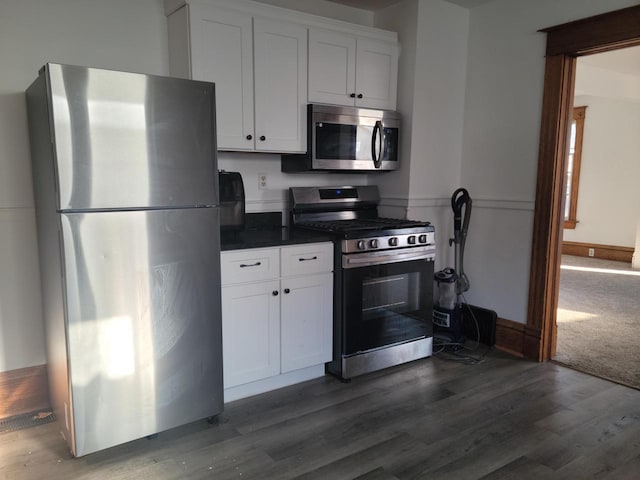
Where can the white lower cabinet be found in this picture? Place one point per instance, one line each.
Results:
(306, 335)
(277, 316)
(251, 331)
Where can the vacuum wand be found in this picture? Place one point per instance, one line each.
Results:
(461, 205)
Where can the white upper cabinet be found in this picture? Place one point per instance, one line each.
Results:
(376, 74)
(349, 70)
(280, 63)
(259, 67)
(221, 52)
(269, 62)
(332, 67)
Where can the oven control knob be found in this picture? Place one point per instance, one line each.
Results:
(422, 239)
(411, 240)
(374, 243)
(361, 245)
(393, 242)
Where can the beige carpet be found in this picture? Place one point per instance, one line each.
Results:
(599, 319)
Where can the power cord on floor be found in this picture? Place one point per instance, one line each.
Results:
(456, 355)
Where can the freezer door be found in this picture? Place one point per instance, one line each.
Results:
(143, 322)
(125, 140)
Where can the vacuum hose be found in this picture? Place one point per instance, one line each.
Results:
(461, 204)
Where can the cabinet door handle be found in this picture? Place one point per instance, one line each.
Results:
(353, 95)
(360, 95)
(263, 138)
(286, 290)
(244, 265)
(249, 137)
(307, 259)
(274, 293)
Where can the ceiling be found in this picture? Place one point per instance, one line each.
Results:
(378, 4)
(625, 60)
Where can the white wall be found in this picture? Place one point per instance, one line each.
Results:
(431, 93)
(598, 82)
(608, 204)
(505, 78)
(401, 18)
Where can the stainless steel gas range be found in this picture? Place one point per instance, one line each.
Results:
(383, 284)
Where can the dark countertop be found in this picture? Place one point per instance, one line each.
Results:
(269, 236)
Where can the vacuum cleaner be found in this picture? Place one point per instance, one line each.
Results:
(451, 283)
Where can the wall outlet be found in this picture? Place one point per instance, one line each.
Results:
(592, 252)
(262, 181)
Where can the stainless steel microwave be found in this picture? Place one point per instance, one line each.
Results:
(343, 139)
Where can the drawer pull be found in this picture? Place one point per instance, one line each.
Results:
(307, 259)
(243, 265)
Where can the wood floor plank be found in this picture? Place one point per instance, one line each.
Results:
(360, 463)
(598, 446)
(522, 468)
(377, 474)
(613, 457)
(506, 418)
(600, 401)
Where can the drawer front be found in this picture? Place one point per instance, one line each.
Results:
(307, 259)
(251, 265)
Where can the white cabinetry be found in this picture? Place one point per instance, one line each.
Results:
(350, 70)
(277, 316)
(259, 67)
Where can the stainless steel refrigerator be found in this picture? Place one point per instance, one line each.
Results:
(125, 181)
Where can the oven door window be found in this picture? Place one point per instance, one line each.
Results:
(387, 304)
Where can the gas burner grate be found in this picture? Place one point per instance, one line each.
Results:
(362, 224)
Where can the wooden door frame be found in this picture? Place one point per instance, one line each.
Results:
(609, 31)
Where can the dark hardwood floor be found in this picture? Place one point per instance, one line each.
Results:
(503, 419)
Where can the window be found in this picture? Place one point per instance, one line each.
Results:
(573, 168)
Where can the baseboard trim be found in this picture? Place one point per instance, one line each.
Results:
(510, 337)
(517, 339)
(604, 252)
(23, 390)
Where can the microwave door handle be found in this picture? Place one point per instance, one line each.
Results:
(381, 144)
(376, 156)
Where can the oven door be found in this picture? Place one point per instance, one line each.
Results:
(386, 304)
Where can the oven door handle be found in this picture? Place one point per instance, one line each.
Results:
(364, 260)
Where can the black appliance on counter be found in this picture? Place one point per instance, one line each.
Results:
(383, 278)
(344, 139)
(232, 201)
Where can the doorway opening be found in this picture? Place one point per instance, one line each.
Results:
(598, 331)
(565, 43)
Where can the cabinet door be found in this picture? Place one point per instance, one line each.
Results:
(306, 321)
(221, 52)
(250, 332)
(376, 74)
(280, 68)
(332, 73)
